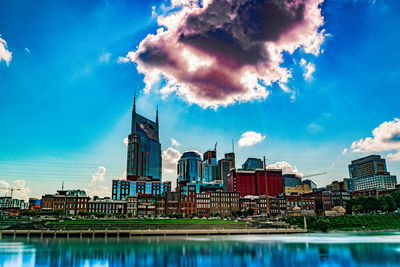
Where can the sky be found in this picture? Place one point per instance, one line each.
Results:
(309, 84)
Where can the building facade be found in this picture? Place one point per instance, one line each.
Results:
(71, 202)
(121, 189)
(252, 164)
(253, 182)
(190, 167)
(367, 167)
(144, 148)
(107, 206)
(298, 189)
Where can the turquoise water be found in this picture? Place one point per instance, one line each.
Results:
(250, 250)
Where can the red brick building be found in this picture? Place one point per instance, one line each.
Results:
(253, 182)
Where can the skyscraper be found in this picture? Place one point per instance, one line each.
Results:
(252, 164)
(144, 148)
(371, 172)
(367, 167)
(190, 167)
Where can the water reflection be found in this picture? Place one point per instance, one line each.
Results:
(293, 250)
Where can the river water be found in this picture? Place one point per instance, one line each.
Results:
(300, 250)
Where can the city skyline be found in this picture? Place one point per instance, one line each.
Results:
(66, 100)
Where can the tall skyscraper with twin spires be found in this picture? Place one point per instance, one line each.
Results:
(144, 148)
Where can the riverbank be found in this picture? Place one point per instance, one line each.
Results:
(106, 233)
(375, 222)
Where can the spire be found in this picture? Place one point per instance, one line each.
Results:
(133, 125)
(134, 102)
(157, 115)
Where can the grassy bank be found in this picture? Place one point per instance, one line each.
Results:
(138, 224)
(144, 221)
(348, 222)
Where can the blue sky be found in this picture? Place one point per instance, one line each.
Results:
(65, 100)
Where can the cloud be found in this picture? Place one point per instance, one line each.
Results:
(22, 193)
(286, 168)
(98, 176)
(315, 128)
(227, 51)
(344, 152)
(174, 142)
(97, 185)
(4, 53)
(386, 137)
(104, 57)
(126, 140)
(250, 138)
(309, 67)
(170, 158)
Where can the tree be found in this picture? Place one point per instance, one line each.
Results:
(391, 204)
(383, 206)
(396, 197)
(371, 204)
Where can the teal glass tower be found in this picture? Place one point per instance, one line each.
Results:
(144, 148)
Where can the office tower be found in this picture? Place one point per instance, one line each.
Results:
(252, 164)
(190, 167)
(210, 164)
(144, 148)
(367, 167)
(225, 165)
(371, 172)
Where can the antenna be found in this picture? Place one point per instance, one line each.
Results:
(233, 147)
(62, 186)
(215, 146)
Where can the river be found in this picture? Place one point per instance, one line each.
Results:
(300, 250)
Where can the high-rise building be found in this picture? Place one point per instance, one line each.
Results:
(291, 180)
(371, 172)
(211, 172)
(225, 165)
(252, 164)
(144, 148)
(190, 167)
(367, 167)
(210, 157)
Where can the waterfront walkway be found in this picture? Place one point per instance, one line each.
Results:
(132, 233)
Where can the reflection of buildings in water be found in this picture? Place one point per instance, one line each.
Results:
(323, 252)
(207, 252)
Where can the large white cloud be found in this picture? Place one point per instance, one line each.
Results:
(286, 168)
(385, 138)
(21, 192)
(170, 158)
(250, 138)
(5, 54)
(98, 186)
(227, 51)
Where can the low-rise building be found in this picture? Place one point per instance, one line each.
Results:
(277, 206)
(203, 204)
(70, 202)
(250, 202)
(224, 203)
(298, 189)
(323, 200)
(107, 206)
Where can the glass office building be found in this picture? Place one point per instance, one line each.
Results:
(144, 148)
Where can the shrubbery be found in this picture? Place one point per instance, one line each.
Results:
(348, 222)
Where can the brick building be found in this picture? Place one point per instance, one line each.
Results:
(252, 183)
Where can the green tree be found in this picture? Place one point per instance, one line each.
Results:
(391, 204)
(383, 206)
(371, 204)
(396, 197)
